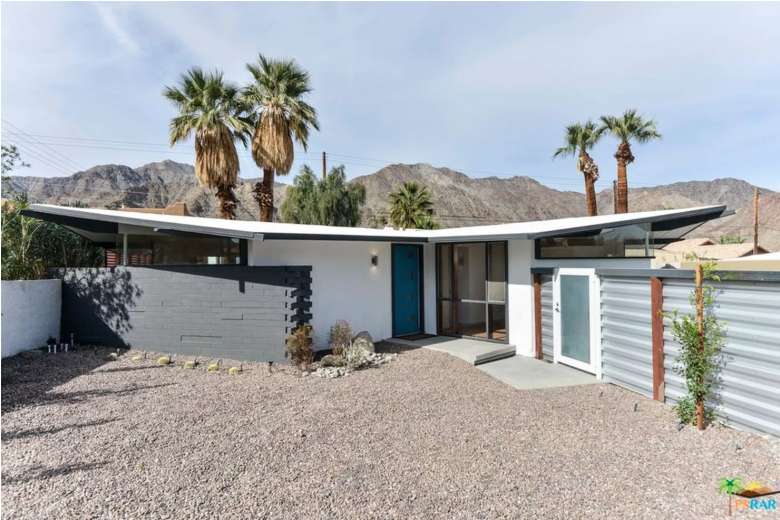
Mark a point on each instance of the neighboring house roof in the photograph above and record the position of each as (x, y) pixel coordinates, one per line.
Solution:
(179, 208)
(762, 256)
(685, 246)
(107, 221)
(724, 251)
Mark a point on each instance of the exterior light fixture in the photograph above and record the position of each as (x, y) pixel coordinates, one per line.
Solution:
(374, 260)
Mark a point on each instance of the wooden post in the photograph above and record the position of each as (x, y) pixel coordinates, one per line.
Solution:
(700, 321)
(323, 166)
(538, 314)
(657, 306)
(755, 222)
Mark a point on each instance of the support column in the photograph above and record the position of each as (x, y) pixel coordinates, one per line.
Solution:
(538, 314)
(124, 249)
(657, 305)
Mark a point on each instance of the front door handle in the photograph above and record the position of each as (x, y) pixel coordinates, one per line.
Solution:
(557, 309)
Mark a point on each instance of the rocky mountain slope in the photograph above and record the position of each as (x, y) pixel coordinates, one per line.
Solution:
(459, 199)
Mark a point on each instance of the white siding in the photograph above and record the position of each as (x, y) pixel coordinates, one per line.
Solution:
(520, 297)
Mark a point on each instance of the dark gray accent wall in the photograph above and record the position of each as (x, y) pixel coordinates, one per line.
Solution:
(235, 312)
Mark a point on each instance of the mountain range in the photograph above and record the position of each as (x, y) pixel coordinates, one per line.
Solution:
(459, 200)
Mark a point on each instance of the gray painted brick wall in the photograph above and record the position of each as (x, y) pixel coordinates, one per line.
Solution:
(236, 312)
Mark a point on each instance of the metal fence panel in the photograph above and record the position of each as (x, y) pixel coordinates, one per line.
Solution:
(747, 391)
(627, 333)
(547, 318)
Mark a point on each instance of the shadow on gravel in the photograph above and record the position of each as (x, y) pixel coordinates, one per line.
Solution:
(388, 347)
(37, 473)
(28, 376)
(35, 432)
(75, 397)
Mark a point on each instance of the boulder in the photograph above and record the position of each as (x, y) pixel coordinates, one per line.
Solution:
(332, 361)
(365, 339)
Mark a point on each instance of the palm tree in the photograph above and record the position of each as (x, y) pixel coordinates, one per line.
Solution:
(411, 206)
(212, 109)
(627, 128)
(729, 486)
(278, 95)
(581, 138)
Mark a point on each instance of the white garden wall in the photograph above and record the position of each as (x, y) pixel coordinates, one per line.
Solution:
(31, 313)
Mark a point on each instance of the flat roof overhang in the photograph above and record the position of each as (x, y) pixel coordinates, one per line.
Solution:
(102, 226)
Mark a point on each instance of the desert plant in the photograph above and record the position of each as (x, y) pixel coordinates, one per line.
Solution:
(164, 360)
(214, 367)
(410, 206)
(113, 356)
(627, 128)
(299, 347)
(340, 335)
(137, 358)
(699, 350)
(277, 95)
(355, 354)
(236, 370)
(730, 239)
(578, 140)
(191, 363)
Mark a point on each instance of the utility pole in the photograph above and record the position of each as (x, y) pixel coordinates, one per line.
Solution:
(323, 166)
(614, 197)
(755, 222)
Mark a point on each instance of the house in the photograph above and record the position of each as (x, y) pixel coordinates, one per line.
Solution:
(704, 249)
(235, 288)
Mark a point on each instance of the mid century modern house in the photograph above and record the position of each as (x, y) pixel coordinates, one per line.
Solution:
(234, 288)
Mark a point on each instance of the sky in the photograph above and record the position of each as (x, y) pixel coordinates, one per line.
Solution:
(486, 89)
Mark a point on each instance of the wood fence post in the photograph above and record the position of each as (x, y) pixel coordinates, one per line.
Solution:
(700, 322)
(657, 306)
(538, 314)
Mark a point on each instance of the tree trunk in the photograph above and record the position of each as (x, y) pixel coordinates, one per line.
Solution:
(264, 195)
(624, 158)
(591, 172)
(226, 202)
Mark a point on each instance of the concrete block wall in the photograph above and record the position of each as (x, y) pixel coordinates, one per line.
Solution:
(235, 312)
(31, 313)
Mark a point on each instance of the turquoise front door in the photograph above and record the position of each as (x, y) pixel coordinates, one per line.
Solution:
(406, 290)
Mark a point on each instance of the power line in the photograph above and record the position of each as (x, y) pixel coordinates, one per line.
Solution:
(46, 161)
(52, 159)
(52, 149)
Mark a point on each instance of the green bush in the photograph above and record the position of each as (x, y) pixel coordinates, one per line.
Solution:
(299, 347)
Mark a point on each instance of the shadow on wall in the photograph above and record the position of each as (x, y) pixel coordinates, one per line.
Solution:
(106, 294)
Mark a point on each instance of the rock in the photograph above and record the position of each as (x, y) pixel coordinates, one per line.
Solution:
(332, 361)
(304, 374)
(367, 340)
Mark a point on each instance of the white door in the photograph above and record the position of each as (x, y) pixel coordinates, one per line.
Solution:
(576, 318)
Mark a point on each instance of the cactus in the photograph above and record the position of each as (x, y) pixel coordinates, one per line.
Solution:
(113, 357)
(234, 370)
(214, 367)
(190, 363)
(137, 358)
(164, 361)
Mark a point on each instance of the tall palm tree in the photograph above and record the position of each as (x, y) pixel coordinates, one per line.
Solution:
(729, 486)
(212, 109)
(411, 206)
(278, 95)
(629, 127)
(578, 140)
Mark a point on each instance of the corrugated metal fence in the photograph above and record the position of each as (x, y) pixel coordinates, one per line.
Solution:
(626, 333)
(547, 317)
(747, 388)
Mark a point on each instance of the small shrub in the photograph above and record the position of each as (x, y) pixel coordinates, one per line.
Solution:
(234, 370)
(355, 354)
(340, 336)
(190, 363)
(214, 367)
(299, 347)
(113, 356)
(164, 361)
(137, 358)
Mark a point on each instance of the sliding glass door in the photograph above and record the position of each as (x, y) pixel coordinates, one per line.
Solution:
(471, 294)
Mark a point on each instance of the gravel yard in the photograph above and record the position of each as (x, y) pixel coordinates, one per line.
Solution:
(424, 436)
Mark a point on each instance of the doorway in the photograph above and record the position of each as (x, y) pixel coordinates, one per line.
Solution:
(407, 289)
(575, 318)
(471, 290)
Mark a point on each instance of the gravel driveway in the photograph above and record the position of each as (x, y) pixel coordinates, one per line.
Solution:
(425, 436)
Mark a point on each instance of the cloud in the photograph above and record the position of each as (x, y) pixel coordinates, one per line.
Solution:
(112, 25)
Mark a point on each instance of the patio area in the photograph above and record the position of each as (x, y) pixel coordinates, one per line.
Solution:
(469, 350)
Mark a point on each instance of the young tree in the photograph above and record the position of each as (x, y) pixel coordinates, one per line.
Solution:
(730, 239)
(210, 107)
(411, 206)
(329, 202)
(278, 95)
(578, 140)
(629, 127)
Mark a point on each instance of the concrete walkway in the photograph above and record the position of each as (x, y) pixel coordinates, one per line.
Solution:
(526, 373)
(469, 350)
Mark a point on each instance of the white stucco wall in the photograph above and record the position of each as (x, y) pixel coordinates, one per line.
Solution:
(429, 287)
(520, 296)
(344, 283)
(31, 313)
